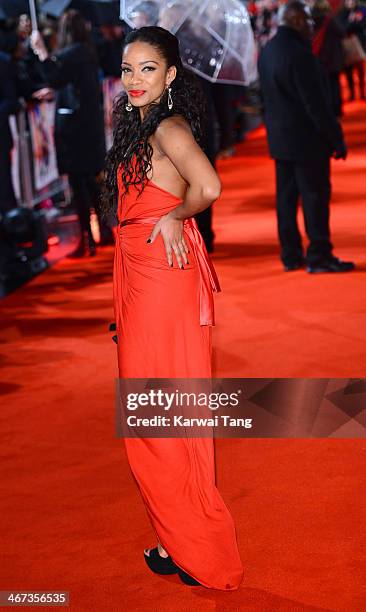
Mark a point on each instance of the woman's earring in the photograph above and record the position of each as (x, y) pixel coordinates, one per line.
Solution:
(129, 106)
(170, 99)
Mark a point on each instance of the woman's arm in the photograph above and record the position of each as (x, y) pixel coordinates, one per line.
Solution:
(56, 69)
(175, 139)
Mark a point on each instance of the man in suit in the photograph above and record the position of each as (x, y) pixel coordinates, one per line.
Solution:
(8, 106)
(303, 134)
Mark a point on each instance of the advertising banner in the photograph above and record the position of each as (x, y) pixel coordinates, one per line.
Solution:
(41, 123)
(111, 89)
(15, 169)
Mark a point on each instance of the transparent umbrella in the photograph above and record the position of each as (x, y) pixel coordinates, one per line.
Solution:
(215, 36)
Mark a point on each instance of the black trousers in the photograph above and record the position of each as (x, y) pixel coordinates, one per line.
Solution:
(350, 70)
(7, 196)
(222, 97)
(310, 181)
(86, 195)
(335, 93)
(204, 218)
(204, 222)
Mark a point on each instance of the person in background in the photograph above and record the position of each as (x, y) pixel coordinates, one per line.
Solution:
(79, 127)
(145, 13)
(209, 144)
(168, 17)
(266, 22)
(303, 134)
(109, 45)
(253, 14)
(224, 96)
(353, 19)
(31, 83)
(327, 46)
(8, 106)
(24, 28)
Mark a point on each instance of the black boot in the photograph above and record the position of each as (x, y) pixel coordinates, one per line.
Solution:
(92, 247)
(86, 246)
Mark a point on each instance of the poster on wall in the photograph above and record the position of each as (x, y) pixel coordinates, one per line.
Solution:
(112, 87)
(41, 122)
(15, 169)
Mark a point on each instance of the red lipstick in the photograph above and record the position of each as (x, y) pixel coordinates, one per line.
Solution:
(136, 92)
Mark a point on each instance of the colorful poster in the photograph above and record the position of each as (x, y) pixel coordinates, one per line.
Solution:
(15, 169)
(112, 87)
(41, 122)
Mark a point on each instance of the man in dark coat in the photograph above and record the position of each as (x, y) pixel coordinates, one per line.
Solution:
(303, 134)
(8, 106)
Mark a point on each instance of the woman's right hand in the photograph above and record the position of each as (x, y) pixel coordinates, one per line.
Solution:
(171, 231)
(46, 93)
(38, 46)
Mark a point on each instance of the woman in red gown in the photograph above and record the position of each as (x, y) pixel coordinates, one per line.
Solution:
(163, 284)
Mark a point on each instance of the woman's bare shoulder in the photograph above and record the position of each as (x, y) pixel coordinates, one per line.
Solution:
(175, 125)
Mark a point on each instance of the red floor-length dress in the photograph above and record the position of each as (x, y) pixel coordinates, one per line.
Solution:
(164, 316)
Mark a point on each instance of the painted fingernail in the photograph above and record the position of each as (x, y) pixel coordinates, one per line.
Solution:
(148, 240)
(171, 265)
(182, 267)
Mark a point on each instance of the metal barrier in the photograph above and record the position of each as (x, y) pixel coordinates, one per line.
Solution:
(23, 161)
(34, 123)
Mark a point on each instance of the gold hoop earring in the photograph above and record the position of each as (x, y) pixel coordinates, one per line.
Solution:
(129, 106)
(170, 99)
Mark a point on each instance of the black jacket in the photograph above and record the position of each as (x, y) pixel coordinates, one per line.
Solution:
(357, 27)
(331, 53)
(300, 122)
(79, 136)
(29, 74)
(8, 100)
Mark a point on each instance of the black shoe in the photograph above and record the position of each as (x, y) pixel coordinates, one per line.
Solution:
(85, 248)
(297, 265)
(187, 579)
(79, 251)
(333, 264)
(160, 565)
(92, 248)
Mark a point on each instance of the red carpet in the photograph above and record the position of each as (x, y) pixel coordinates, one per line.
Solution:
(72, 518)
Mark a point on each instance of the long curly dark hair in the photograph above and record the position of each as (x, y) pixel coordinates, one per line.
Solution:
(131, 148)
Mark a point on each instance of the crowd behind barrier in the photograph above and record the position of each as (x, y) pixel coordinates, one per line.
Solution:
(75, 67)
(33, 158)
